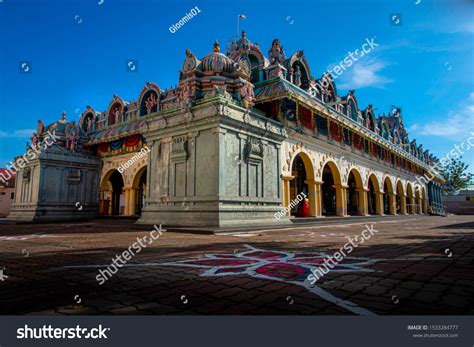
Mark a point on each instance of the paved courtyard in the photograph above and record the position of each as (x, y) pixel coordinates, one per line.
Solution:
(415, 265)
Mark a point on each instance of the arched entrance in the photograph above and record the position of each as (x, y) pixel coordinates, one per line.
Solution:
(410, 199)
(401, 200)
(333, 194)
(355, 190)
(111, 200)
(374, 200)
(138, 192)
(302, 182)
(388, 197)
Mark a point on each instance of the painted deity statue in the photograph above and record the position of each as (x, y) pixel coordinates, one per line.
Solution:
(116, 113)
(34, 140)
(297, 76)
(71, 135)
(151, 103)
(190, 62)
(248, 96)
(40, 127)
(276, 53)
(186, 96)
(89, 124)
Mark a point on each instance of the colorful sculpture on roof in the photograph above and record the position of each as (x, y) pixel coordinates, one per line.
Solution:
(248, 79)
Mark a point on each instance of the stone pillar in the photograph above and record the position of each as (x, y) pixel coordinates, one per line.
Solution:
(379, 203)
(420, 205)
(131, 206)
(319, 199)
(392, 203)
(341, 200)
(403, 204)
(285, 180)
(127, 196)
(313, 197)
(363, 205)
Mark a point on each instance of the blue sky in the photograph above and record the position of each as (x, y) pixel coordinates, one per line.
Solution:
(78, 51)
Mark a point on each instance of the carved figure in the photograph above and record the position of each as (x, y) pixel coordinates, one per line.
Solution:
(276, 53)
(248, 96)
(151, 102)
(297, 76)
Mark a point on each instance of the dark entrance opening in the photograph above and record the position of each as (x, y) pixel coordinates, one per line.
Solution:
(328, 192)
(117, 186)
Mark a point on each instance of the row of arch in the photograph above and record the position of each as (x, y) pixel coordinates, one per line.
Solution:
(330, 196)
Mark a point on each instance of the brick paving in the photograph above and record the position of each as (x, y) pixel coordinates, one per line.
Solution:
(422, 266)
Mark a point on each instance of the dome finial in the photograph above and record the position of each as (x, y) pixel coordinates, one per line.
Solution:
(244, 34)
(216, 46)
(63, 116)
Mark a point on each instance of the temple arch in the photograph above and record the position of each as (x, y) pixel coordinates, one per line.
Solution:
(302, 181)
(136, 194)
(149, 99)
(370, 119)
(389, 196)
(401, 199)
(111, 201)
(410, 198)
(374, 200)
(356, 204)
(333, 193)
(352, 110)
(115, 111)
(88, 119)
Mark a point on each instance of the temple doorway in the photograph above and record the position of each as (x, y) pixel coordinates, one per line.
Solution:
(354, 190)
(111, 194)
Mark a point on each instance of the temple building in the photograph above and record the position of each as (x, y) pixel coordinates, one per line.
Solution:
(236, 141)
(7, 193)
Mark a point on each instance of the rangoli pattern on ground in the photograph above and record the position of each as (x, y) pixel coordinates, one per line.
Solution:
(287, 267)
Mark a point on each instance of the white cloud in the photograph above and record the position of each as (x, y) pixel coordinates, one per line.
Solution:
(364, 74)
(457, 124)
(19, 134)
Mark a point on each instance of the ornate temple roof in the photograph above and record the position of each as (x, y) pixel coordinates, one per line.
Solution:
(66, 134)
(217, 62)
(244, 76)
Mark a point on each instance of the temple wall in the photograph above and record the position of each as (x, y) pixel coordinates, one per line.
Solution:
(217, 170)
(57, 186)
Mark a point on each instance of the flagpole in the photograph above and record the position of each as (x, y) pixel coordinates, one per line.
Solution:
(239, 17)
(238, 22)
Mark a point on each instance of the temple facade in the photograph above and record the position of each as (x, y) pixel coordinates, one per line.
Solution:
(235, 142)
